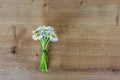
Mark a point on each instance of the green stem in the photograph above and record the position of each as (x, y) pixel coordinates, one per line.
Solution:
(43, 66)
(44, 60)
(46, 44)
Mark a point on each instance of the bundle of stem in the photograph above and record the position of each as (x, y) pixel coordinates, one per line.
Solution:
(44, 61)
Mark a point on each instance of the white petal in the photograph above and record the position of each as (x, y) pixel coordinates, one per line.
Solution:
(33, 32)
(40, 37)
(34, 37)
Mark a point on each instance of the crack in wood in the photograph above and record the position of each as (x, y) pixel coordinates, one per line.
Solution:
(81, 3)
(110, 69)
(114, 70)
(37, 54)
(44, 5)
(14, 31)
(117, 18)
(13, 50)
(14, 47)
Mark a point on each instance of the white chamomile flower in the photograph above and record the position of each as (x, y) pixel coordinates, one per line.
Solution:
(34, 37)
(53, 38)
(46, 31)
(40, 37)
(50, 28)
(37, 36)
(40, 28)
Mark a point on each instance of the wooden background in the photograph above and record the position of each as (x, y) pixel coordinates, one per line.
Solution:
(88, 46)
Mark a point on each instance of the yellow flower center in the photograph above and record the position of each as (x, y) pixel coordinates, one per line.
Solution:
(53, 36)
(45, 30)
(37, 35)
(49, 34)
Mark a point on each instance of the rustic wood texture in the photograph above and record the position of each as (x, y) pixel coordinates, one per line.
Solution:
(88, 46)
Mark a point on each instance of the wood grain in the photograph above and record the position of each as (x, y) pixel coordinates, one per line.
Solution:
(88, 46)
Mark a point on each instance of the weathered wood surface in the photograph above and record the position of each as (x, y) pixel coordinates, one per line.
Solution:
(88, 46)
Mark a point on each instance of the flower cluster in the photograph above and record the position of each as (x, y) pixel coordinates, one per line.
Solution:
(45, 32)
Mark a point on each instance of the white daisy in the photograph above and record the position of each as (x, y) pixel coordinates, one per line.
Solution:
(34, 37)
(40, 37)
(53, 38)
(50, 28)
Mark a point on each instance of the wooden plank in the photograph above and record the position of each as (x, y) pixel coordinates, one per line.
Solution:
(88, 46)
(87, 49)
(20, 12)
(87, 14)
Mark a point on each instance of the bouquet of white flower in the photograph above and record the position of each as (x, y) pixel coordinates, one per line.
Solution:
(44, 34)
